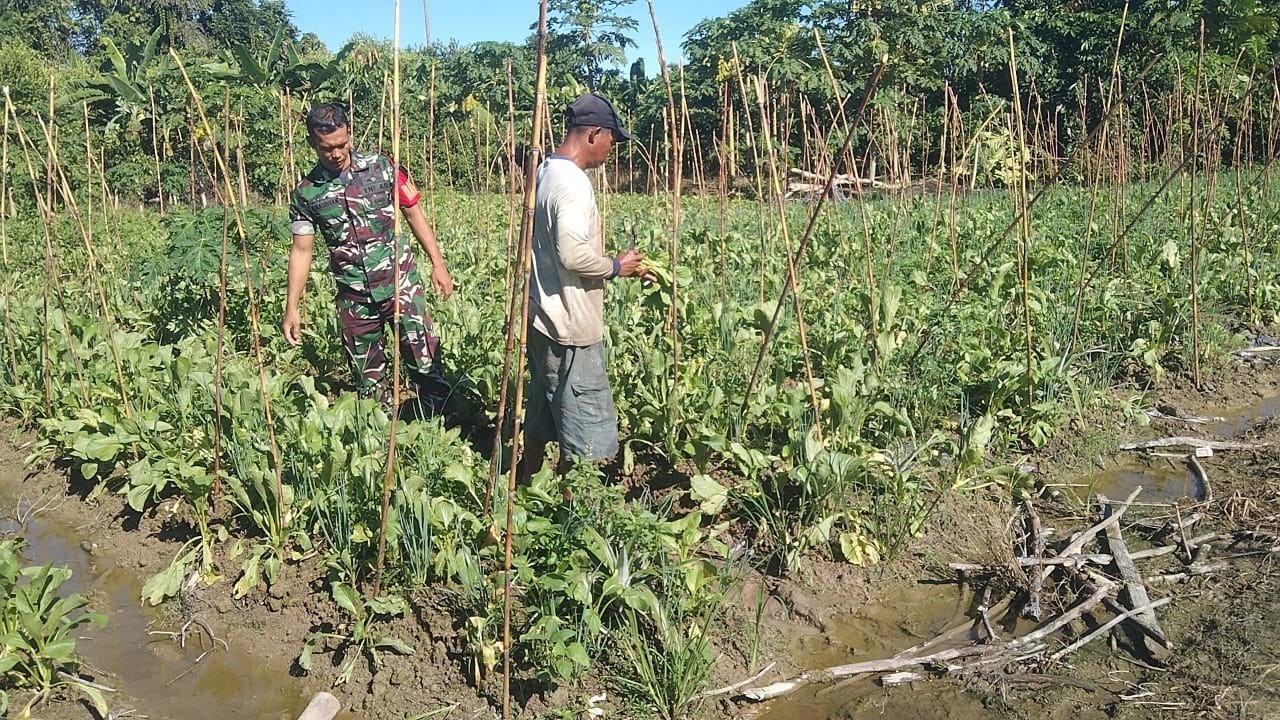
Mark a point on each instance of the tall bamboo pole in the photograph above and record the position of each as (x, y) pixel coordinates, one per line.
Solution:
(57, 178)
(10, 338)
(521, 297)
(677, 170)
(512, 187)
(779, 198)
(395, 294)
(45, 360)
(1195, 214)
(1024, 228)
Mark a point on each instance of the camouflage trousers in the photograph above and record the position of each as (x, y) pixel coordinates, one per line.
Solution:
(364, 324)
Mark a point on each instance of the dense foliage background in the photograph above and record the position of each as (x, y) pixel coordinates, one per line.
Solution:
(809, 60)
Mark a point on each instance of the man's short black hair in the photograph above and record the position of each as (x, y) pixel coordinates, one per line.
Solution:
(327, 118)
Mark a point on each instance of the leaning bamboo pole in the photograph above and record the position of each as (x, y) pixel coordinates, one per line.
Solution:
(779, 197)
(803, 245)
(229, 198)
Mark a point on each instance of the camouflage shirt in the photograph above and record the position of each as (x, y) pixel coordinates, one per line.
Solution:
(355, 214)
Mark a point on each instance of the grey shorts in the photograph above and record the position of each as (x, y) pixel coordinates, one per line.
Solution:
(570, 400)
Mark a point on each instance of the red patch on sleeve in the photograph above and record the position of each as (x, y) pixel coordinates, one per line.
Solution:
(409, 195)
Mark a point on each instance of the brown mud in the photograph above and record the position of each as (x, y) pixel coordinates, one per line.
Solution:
(1225, 625)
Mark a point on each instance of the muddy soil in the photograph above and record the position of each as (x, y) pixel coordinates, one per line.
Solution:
(1225, 626)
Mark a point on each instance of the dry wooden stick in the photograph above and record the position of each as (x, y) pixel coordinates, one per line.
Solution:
(1183, 440)
(730, 688)
(1077, 560)
(1163, 550)
(1133, 586)
(1191, 571)
(952, 632)
(1149, 607)
(1032, 610)
(1083, 537)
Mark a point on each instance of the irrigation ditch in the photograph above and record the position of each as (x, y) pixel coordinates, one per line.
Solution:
(1189, 624)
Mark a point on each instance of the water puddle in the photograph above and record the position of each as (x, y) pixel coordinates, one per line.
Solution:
(154, 677)
(1235, 422)
(1163, 478)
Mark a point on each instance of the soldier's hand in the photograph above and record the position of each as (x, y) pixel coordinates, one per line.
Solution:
(442, 282)
(292, 327)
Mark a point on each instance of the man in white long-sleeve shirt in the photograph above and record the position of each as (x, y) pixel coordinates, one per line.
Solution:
(570, 400)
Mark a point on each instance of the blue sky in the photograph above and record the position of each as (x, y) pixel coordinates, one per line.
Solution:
(474, 20)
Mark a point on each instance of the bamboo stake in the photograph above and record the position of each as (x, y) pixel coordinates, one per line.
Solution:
(1195, 215)
(927, 336)
(217, 360)
(56, 177)
(755, 157)
(677, 171)
(511, 173)
(395, 312)
(46, 362)
(1024, 227)
(155, 147)
(10, 338)
(520, 296)
(431, 143)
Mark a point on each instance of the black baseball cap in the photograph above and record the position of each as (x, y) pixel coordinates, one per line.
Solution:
(592, 110)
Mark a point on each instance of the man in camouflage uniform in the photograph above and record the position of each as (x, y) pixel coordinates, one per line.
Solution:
(350, 198)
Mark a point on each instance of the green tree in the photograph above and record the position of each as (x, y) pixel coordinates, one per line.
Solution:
(46, 26)
(247, 23)
(587, 38)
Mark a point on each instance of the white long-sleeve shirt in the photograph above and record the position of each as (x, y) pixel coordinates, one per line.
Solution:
(569, 264)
